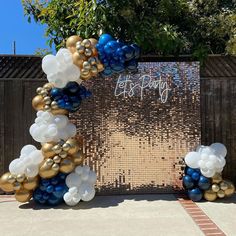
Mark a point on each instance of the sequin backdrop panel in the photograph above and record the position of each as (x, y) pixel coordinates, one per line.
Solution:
(134, 141)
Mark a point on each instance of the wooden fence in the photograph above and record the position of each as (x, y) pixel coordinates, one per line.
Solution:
(218, 113)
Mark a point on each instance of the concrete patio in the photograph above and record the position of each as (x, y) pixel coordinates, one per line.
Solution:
(139, 215)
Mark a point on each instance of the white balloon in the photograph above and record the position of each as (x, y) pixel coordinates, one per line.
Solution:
(219, 149)
(36, 156)
(209, 173)
(67, 197)
(16, 167)
(192, 159)
(207, 150)
(86, 192)
(31, 171)
(73, 190)
(199, 148)
(49, 64)
(73, 180)
(79, 170)
(27, 149)
(92, 178)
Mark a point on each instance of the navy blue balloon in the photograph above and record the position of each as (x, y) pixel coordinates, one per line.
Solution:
(195, 194)
(136, 50)
(188, 182)
(51, 191)
(195, 175)
(111, 47)
(204, 183)
(104, 39)
(128, 52)
(189, 170)
(70, 97)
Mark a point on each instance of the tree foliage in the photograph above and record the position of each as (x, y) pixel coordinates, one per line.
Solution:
(163, 27)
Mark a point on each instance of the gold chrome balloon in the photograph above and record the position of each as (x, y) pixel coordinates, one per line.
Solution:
(86, 42)
(59, 111)
(56, 159)
(47, 149)
(78, 59)
(100, 67)
(48, 86)
(20, 178)
(57, 148)
(38, 103)
(215, 187)
(217, 178)
(209, 195)
(230, 190)
(31, 183)
(46, 171)
(66, 147)
(17, 186)
(78, 158)
(221, 193)
(72, 40)
(23, 195)
(223, 185)
(67, 165)
(11, 179)
(93, 41)
(4, 184)
(75, 146)
(63, 154)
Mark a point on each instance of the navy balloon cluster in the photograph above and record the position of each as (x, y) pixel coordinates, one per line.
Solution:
(70, 97)
(51, 191)
(195, 183)
(117, 56)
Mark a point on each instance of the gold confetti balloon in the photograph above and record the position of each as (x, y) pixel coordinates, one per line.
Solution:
(210, 195)
(4, 184)
(23, 195)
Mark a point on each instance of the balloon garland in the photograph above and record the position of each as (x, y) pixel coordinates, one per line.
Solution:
(203, 173)
(55, 173)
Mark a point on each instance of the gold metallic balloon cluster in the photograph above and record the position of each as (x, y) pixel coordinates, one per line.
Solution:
(21, 184)
(85, 56)
(219, 189)
(43, 101)
(61, 157)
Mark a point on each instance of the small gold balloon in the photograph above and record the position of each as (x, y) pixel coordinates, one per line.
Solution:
(66, 147)
(55, 167)
(4, 184)
(11, 179)
(86, 43)
(78, 158)
(57, 148)
(47, 108)
(75, 146)
(39, 90)
(59, 111)
(63, 154)
(38, 103)
(67, 165)
(72, 40)
(93, 41)
(86, 65)
(46, 171)
(92, 61)
(44, 92)
(209, 195)
(215, 187)
(54, 105)
(94, 52)
(78, 59)
(47, 149)
(223, 185)
(100, 67)
(48, 86)
(221, 193)
(80, 49)
(88, 52)
(20, 178)
(23, 195)
(57, 159)
(47, 100)
(230, 190)
(31, 183)
(94, 70)
(49, 162)
(17, 186)
(217, 178)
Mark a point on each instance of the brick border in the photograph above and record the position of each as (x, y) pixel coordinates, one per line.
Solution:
(206, 225)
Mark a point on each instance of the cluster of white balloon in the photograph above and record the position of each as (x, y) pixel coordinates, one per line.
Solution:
(49, 127)
(81, 185)
(209, 159)
(28, 162)
(60, 68)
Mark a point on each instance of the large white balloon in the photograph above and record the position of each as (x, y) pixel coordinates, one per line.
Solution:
(60, 68)
(192, 159)
(49, 127)
(81, 185)
(28, 162)
(219, 149)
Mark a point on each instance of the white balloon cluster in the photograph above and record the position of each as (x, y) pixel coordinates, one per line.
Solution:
(209, 159)
(28, 162)
(49, 127)
(81, 185)
(60, 68)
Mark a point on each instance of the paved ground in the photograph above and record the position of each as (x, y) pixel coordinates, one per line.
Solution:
(113, 216)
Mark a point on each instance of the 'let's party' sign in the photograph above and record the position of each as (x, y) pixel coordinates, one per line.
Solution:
(138, 126)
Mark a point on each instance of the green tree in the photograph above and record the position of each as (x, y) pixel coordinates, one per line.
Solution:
(163, 27)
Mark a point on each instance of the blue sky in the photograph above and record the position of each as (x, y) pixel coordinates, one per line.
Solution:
(14, 26)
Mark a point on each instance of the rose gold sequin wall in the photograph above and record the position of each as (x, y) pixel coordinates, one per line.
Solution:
(138, 127)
